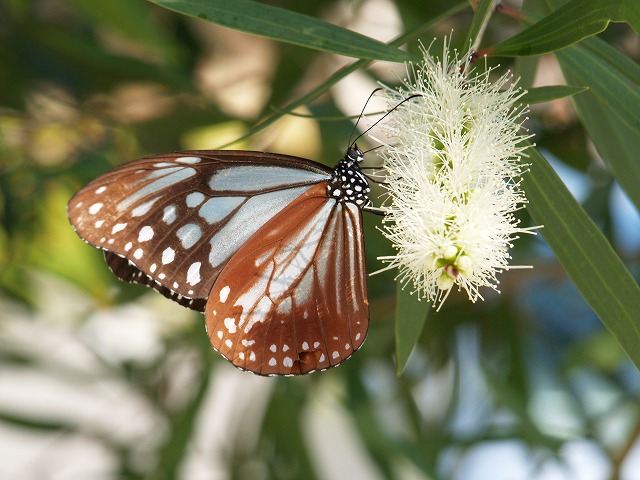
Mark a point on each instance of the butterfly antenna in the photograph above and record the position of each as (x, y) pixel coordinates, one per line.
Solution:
(384, 116)
(361, 114)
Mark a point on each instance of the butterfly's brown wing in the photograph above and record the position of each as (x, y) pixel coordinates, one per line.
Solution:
(173, 221)
(293, 298)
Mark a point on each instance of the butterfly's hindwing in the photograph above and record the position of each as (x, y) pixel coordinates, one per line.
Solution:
(289, 301)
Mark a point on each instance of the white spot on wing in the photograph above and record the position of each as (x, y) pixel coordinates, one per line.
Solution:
(146, 233)
(285, 347)
(272, 362)
(316, 344)
(128, 246)
(305, 346)
(247, 343)
(287, 362)
(335, 354)
(220, 334)
(252, 356)
(168, 255)
(101, 189)
(153, 268)
(190, 160)
(273, 348)
(95, 208)
(99, 223)
(228, 343)
(189, 234)
(193, 274)
(138, 253)
(169, 214)
(143, 208)
(224, 294)
(230, 324)
(194, 199)
(118, 227)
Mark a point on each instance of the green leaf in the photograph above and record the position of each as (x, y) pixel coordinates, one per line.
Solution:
(569, 24)
(485, 7)
(346, 71)
(620, 94)
(585, 254)
(544, 94)
(286, 26)
(610, 111)
(411, 315)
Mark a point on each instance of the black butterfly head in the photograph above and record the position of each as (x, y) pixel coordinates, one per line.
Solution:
(354, 154)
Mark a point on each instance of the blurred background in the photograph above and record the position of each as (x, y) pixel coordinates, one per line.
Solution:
(103, 380)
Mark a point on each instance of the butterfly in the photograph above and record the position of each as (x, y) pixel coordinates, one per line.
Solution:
(270, 247)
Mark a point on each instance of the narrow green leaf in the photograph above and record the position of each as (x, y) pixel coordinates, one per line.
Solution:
(346, 71)
(484, 9)
(610, 110)
(585, 254)
(622, 96)
(411, 315)
(544, 94)
(286, 26)
(569, 24)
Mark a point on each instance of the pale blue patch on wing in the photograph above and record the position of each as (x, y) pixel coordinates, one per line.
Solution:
(247, 220)
(189, 234)
(257, 177)
(172, 176)
(217, 208)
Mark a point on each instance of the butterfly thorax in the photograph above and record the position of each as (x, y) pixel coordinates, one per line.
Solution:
(348, 183)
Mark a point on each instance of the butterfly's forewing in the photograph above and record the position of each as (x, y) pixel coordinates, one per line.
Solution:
(293, 298)
(173, 221)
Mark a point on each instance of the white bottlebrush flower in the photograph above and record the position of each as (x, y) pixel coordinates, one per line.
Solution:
(453, 173)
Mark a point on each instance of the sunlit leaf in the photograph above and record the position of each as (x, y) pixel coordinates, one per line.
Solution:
(286, 26)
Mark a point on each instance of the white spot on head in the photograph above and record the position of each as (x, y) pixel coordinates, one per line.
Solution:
(335, 354)
(273, 348)
(138, 253)
(230, 323)
(193, 274)
(168, 255)
(118, 227)
(101, 189)
(190, 160)
(272, 362)
(287, 362)
(99, 223)
(146, 233)
(316, 344)
(128, 246)
(305, 346)
(252, 357)
(220, 334)
(228, 343)
(224, 294)
(169, 214)
(95, 208)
